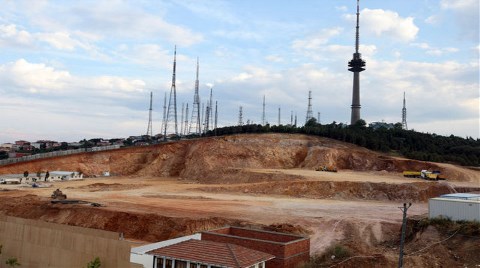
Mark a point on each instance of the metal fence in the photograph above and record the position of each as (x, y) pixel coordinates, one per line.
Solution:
(57, 153)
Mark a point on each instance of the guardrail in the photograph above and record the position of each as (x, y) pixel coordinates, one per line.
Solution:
(57, 153)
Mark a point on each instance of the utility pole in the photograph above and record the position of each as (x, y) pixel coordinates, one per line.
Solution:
(404, 227)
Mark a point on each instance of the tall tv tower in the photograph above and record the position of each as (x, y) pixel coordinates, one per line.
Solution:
(149, 128)
(356, 66)
(172, 103)
(164, 111)
(309, 110)
(195, 120)
(404, 113)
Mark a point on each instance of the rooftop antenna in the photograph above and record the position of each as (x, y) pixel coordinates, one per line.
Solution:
(356, 66)
(404, 113)
(240, 116)
(195, 120)
(149, 128)
(263, 114)
(309, 110)
(172, 103)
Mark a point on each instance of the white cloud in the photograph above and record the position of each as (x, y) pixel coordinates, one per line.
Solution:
(317, 40)
(434, 51)
(385, 22)
(60, 40)
(274, 58)
(466, 16)
(11, 36)
(341, 8)
(244, 35)
(432, 19)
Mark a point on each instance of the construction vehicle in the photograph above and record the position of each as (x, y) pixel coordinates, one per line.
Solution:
(325, 168)
(424, 174)
(58, 195)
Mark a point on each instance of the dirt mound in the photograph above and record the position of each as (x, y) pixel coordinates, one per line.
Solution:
(407, 192)
(218, 159)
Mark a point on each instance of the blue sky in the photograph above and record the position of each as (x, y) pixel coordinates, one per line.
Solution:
(82, 69)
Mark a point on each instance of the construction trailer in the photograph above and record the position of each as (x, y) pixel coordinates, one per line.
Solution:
(457, 207)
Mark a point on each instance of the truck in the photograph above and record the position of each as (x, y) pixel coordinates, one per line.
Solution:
(424, 174)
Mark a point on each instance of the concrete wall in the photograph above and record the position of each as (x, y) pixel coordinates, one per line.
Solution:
(41, 244)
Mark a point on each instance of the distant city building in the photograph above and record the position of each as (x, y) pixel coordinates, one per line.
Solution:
(379, 125)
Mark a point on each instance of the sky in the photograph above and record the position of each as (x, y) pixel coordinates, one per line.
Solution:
(71, 70)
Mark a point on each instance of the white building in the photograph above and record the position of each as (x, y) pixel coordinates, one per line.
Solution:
(458, 206)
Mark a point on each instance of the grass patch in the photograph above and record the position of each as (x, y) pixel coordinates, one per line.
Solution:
(446, 225)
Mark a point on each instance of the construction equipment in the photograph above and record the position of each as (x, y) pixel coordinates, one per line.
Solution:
(325, 168)
(424, 174)
(58, 195)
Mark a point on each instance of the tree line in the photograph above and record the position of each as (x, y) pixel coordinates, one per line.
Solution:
(397, 141)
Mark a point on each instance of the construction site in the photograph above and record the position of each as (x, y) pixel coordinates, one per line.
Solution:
(274, 182)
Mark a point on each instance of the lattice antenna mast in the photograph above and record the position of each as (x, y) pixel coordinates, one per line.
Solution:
(211, 106)
(202, 118)
(216, 117)
(318, 117)
(185, 125)
(164, 111)
(240, 116)
(295, 119)
(149, 128)
(195, 120)
(263, 114)
(291, 118)
(309, 109)
(404, 113)
(172, 103)
(356, 66)
(181, 118)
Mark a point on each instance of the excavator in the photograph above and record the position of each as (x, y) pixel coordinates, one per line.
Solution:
(58, 195)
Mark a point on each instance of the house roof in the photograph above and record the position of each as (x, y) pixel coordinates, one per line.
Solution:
(213, 253)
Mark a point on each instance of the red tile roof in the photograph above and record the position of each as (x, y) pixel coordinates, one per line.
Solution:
(213, 253)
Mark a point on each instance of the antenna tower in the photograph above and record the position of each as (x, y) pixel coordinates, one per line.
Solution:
(164, 111)
(291, 118)
(216, 116)
(185, 125)
(318, 117)
(172, 103)
(149, 128)
(295, 119)
(181, 118)
(356, 66)
(195, 120)
(404, 113)
(309, 110)
(240, 116)
(279, 116)
(263, 114)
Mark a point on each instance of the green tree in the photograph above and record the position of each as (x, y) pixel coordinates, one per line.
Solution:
(95, 263)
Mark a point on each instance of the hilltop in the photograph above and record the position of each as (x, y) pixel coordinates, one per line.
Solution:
(262, 180)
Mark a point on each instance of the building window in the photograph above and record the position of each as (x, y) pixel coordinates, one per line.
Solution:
(160, 262)
(180, 264)
(203, 266)
(168, 263)
(193, 265)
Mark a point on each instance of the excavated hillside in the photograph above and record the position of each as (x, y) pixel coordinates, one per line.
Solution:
(223, 159)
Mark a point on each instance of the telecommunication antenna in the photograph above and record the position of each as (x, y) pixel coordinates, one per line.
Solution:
(195, 119)
(309, 109)
(279, 111)
(240, 116)
(263, 114)
(404, 113)
(172, 103)
(149, 128)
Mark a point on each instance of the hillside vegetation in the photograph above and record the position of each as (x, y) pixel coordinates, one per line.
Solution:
(407, 143)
